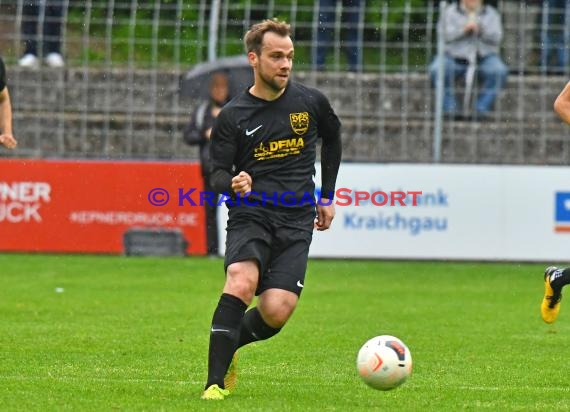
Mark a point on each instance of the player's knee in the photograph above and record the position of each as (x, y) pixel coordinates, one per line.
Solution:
(278, 312)
(241, 281)
(241, 289)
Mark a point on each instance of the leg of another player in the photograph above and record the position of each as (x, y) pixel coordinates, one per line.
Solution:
(554, 280)
(560, 277)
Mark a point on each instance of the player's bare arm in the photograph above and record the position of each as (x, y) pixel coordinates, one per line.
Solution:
(6, 137)
(562, 104)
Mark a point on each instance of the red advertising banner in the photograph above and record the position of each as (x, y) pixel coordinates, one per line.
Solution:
(87, 206)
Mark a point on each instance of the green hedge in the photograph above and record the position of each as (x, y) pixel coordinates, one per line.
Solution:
(193, 40)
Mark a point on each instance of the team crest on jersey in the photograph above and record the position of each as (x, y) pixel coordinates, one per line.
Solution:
(299, 122)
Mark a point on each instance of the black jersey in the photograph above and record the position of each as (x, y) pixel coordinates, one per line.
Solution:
(2, 75)
(275, 142)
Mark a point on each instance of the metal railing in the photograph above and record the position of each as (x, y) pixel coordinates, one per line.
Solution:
(118, 95)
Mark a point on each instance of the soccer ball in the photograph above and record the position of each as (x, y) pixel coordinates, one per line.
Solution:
(384, 362)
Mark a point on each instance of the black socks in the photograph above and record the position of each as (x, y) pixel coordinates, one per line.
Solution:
(232, 330)
(561, 279)
(254, 328)
(224, 336)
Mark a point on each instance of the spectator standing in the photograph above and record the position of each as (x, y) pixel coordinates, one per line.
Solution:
(351, 16)
(472, 35)
(42, 21)
(198, 132)
(554, 36)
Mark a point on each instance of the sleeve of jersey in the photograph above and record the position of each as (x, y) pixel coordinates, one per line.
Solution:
(331, 149)
(2, 75)
(222, 151)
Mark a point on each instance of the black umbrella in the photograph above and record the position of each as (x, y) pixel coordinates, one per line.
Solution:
(195, 83)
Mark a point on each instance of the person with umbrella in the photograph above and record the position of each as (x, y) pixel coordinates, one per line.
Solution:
(198, 132)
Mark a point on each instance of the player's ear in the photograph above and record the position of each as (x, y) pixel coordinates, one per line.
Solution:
(252, 57)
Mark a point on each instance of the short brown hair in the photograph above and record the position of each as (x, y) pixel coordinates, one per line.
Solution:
(253, 39)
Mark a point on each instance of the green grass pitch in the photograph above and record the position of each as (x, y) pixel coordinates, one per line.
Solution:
(101, 333)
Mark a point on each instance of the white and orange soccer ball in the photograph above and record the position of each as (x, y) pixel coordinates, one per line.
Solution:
(384, 362)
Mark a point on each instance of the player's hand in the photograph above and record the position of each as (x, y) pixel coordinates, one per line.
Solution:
(325, 215)
(241, 184)
(8, 141)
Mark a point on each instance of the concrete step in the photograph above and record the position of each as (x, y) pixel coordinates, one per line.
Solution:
(365, 95)
(496, 142)
(78, 112)
(411, 95)
(98, 90)
(72, 134)
(389, 139)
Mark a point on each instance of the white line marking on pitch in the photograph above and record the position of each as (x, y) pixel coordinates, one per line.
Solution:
(68, 378)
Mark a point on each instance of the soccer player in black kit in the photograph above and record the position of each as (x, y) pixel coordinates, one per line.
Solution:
(263, 149)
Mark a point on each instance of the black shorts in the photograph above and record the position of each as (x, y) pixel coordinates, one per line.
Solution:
(277, 238)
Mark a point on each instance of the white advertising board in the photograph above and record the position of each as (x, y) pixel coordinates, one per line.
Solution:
(464, 212)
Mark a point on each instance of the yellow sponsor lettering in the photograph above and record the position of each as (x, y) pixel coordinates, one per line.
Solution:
(286, 144)
(279, 148)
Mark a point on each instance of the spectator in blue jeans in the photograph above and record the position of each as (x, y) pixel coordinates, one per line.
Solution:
(472, 34)
(554, 36)
(352, 14)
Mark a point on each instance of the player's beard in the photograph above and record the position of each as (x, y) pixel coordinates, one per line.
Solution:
(272, 82)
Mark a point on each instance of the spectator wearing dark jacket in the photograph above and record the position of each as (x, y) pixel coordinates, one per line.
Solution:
(197, 132)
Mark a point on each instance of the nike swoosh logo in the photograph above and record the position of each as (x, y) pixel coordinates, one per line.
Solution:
(219, 330)
(300, 284)
(250, 132)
